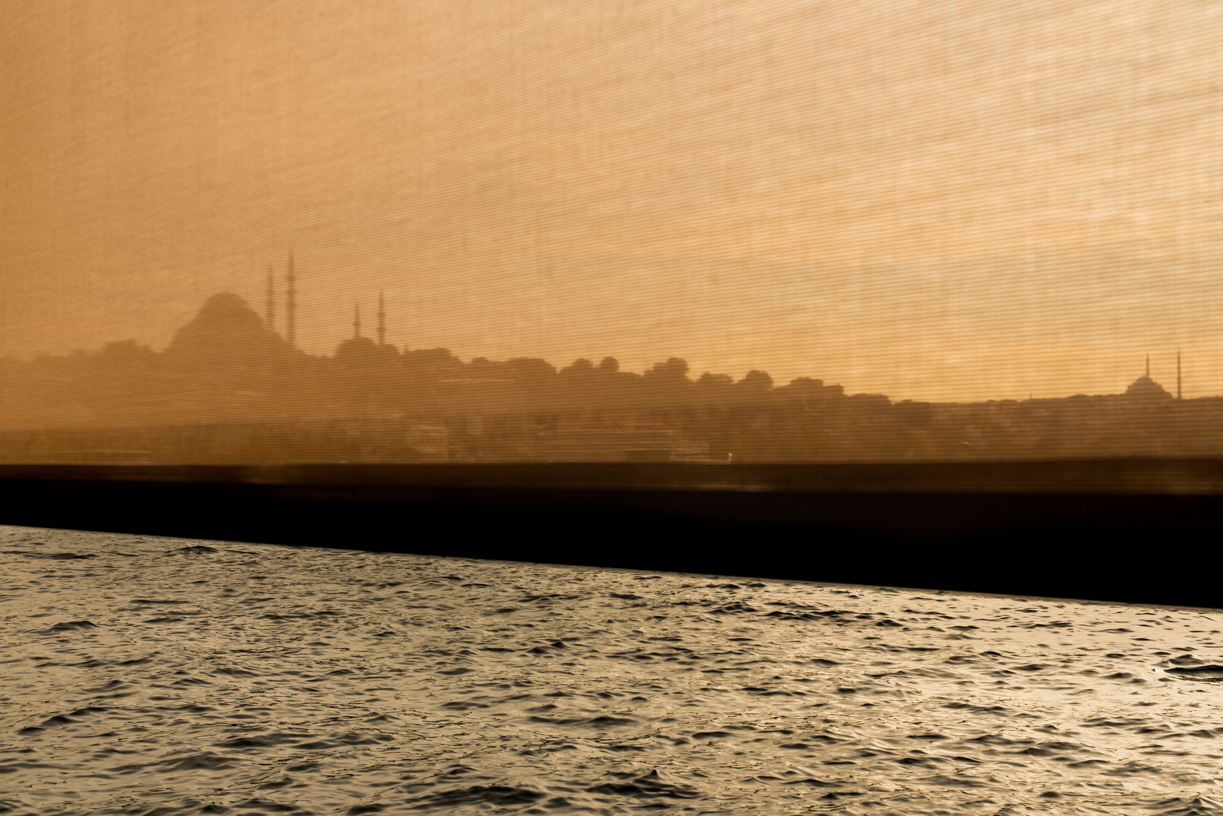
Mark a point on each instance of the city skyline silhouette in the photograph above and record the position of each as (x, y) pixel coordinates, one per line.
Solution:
(229, 368)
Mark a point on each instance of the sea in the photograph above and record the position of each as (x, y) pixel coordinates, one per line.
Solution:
(143, 675)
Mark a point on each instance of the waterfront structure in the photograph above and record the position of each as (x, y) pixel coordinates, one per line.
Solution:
(430, 441)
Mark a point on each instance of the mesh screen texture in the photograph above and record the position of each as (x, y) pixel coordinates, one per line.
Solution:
(699, 231)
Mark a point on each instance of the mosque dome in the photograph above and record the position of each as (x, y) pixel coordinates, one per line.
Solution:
(1146, 388)
(226, 333)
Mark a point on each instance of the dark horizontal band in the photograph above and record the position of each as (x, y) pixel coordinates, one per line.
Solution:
(1137, 530)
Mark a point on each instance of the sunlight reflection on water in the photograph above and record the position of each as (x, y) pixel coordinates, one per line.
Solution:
(148, 675)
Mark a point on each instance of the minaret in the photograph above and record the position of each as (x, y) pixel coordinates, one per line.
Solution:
(356, 324)
(1148, 375)
(271, 317)
(1178, 375)
(291, 304)
(381, 321)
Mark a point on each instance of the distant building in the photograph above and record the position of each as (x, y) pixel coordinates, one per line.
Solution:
(430, 441)
(479, 396)
(1147, 390)
(618, 445)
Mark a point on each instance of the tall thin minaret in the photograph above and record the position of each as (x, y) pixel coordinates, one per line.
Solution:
(1178, 375)
(356, 324)
(291, 304)
(1148, 366)
(381, 321)
(271, 316)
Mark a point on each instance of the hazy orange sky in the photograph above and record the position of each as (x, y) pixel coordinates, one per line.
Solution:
(932, 199)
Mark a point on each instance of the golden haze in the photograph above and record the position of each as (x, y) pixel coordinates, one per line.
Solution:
(943, 200)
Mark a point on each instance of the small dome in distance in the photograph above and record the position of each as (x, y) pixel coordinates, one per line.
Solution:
(1146, 388)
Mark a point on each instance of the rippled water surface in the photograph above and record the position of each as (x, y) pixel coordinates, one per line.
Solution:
(162, 676)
